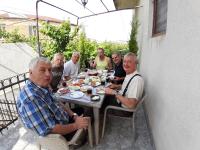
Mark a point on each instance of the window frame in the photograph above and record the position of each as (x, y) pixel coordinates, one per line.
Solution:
(155, 18)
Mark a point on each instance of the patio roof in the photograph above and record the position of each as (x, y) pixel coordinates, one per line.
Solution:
(75, 8)
(78, 11)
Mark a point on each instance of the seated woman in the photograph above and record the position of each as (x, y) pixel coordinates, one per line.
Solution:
(101, 61)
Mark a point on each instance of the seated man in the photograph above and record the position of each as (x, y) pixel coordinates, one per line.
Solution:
(119, 74)
(101, 61)
(132, 87)
(37, 108)
(71, 68)
(57, 70)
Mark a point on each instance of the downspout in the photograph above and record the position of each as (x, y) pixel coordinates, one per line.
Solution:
(37, 28)
(136, 16)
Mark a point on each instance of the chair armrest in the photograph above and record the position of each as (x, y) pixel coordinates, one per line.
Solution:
(75, 137)
(120, 108)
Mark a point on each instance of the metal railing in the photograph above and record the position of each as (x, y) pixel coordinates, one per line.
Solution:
(9, 89)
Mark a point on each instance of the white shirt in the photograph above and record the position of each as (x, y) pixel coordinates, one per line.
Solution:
(71, 69)
(135, 88)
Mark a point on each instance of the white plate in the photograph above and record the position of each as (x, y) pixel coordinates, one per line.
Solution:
(71, 87)
(101, 92)
(85, 87)
(76, 94)
(95, 98)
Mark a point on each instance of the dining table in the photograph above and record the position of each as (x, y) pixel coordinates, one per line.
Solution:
(85, 100)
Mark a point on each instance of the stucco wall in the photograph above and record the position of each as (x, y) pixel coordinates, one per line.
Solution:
(170, 65)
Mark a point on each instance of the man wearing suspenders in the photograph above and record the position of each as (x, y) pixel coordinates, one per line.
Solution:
(132, 87)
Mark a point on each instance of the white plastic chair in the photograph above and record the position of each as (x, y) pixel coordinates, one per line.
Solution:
(29, 140)
(110, 107)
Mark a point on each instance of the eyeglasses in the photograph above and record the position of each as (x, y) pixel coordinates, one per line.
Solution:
(114, 57)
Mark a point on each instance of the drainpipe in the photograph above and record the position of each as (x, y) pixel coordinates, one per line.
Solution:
(136, 16)
(37, 28)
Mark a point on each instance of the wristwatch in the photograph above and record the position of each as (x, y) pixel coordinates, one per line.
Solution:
(115, 93)
(74, 114)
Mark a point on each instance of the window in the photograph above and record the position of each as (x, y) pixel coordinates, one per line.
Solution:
(160, 17)
(32, 30)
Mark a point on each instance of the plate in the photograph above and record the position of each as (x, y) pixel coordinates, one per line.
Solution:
(101, 92)
(63, 91)
(76, 94)
(85, 87)
(95, 98)
(74, 87)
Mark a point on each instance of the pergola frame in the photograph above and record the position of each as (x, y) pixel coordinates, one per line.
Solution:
(93, 14)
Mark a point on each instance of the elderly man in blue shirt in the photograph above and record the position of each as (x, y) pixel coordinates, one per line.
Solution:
(37, 108)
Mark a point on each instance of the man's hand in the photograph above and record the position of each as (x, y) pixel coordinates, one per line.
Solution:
(81, 122)
(113, 86)
(109, 91)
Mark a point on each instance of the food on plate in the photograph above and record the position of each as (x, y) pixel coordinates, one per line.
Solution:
(93, 81)
(63, 90)
(85, 88)
(95, 97)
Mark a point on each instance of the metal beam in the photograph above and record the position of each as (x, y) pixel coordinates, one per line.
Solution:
(85, 7)
(104, 5)
(102, 13)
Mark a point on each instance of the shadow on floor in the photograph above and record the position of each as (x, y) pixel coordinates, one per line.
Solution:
(118, 135)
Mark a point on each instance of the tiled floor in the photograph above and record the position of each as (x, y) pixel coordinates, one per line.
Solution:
(118, 135)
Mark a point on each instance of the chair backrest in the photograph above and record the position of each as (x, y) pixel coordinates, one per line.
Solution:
(140, 101)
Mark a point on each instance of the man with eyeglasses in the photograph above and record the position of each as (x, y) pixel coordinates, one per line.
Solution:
(119, 74)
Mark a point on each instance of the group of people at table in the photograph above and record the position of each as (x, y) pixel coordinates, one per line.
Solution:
(40, 112)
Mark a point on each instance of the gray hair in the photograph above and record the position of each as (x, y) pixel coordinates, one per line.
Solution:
(36, 60)
(130, 54)
(76, 53)
(58, 54)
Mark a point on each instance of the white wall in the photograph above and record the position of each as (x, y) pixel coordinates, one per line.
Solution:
(170, 65)
(14, 59)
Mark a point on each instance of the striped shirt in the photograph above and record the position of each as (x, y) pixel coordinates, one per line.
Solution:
(38, 110)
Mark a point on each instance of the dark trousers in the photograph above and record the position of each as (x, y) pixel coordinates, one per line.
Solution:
(111, 100)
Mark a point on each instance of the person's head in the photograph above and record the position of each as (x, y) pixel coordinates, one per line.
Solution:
(40, 71)
(116, 57)
(130, 63)
(100, 52)
(75, 57)
(58, 60)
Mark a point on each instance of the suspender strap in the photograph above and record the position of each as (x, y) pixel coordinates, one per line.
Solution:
(126, 88)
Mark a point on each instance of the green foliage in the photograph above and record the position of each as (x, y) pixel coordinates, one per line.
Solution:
(133, 47)
(32, 40)
(59, 37)
(63, 39)
(111, 47)
(12, 37)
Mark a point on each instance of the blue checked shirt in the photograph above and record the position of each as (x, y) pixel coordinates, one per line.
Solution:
(38, 110)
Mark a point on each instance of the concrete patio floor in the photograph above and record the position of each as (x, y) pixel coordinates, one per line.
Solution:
(118, 135)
